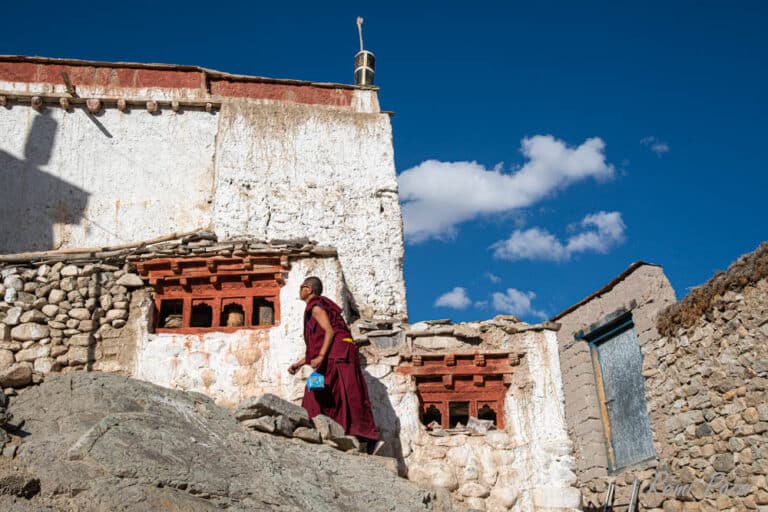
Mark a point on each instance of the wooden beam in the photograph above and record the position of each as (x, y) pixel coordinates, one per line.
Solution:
(436, 371)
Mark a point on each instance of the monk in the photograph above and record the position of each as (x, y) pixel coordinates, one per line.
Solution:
(331, 352)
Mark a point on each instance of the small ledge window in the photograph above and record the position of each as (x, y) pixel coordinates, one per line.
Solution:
(171, 313)
(195, 295)
(486, 412)
(263, 311)
(232, 315)
(431, 415)
(458, 414)
(202, 314)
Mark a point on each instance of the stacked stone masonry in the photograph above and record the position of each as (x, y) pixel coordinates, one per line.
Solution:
(705, 386)
(63, 317)
(98, 311)
(525, 466)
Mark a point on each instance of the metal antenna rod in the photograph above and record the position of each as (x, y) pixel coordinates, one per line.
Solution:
(360, 30)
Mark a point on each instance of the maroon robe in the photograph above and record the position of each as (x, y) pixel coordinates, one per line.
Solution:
(345, 397)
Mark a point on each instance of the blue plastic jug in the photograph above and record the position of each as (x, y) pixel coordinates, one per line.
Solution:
(315, 381)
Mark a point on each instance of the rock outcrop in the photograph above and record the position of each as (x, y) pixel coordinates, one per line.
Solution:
(100, 441)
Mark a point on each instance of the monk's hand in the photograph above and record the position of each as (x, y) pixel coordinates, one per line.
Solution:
(316, 362)
(293, 369)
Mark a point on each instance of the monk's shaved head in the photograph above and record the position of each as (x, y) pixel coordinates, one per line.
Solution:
(315, 284)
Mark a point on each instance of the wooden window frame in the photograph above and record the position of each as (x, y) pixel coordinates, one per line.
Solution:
(218, 282)
(477, 378)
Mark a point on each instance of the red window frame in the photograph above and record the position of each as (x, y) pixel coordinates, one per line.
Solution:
(480, 378)
(217, 282)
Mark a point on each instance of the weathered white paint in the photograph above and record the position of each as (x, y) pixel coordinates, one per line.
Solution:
(153, 176)
(256, 168)
(230, 367)
(290, 171)
(525, 468)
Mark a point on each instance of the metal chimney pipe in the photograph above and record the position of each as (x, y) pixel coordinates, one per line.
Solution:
(365, 66)
(365, 61)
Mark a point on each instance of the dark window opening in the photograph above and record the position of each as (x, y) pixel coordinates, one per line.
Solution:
(486, 413)
(232, 315)
(202, 316)
(171, 313)
(431, 414)
(263, 312)
(458, 412)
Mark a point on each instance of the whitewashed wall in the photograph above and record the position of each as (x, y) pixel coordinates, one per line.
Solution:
(527, 467)
(256, 168)
(230, 367)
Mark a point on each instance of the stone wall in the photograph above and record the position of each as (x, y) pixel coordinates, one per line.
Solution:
(707, 386)
(93, 312)
(705, 367)
(230, 367)
(644, 291)
(66, 317)
(525, 467)
(273, 160)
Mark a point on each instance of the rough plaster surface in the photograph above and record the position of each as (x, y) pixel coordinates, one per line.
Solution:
(526, 467)
(67, 184)
(651, 292)
(288, 171)
(230, 367)
(255, 168)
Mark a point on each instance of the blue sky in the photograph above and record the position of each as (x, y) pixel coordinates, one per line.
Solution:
(644, 126)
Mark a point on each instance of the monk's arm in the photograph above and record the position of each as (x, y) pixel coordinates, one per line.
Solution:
(321, 316)
(295, 366)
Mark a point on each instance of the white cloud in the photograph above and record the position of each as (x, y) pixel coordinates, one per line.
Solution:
(601, 232)
(455, 299)
(515, 302)
(493, 278)
(437, 196)
(655, 144)
(531, 244)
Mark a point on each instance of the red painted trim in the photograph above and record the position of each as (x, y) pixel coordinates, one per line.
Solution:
(293, 94)
(477, 378)
(210, 281)
(116, 77)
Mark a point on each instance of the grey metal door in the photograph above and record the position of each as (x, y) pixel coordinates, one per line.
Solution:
(621, 364)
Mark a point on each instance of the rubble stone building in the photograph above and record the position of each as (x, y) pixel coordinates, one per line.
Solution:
(158, 221)
(671, 394)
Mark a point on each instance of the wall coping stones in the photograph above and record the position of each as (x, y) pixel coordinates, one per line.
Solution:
(747, 270)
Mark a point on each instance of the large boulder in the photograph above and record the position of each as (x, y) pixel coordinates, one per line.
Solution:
(106, 442)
